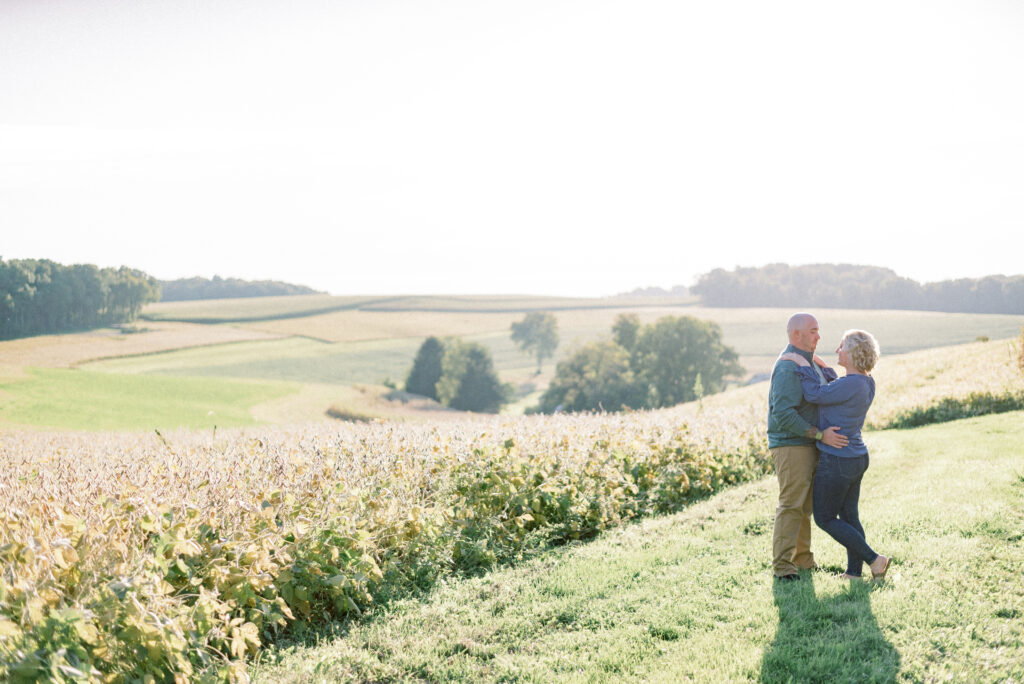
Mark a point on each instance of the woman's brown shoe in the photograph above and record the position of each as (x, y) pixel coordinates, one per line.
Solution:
(844, 576)
(880, 573)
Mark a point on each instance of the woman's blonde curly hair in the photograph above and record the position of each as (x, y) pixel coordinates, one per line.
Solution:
(863, 349)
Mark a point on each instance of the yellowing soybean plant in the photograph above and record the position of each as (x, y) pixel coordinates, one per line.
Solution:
(176, 556)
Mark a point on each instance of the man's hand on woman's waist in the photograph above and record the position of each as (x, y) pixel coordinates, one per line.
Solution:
(829, 437)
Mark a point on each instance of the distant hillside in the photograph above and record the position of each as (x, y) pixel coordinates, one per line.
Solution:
(676, 291)
(850, 286)
(189, 289)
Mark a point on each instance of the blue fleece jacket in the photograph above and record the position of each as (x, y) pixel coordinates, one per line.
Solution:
(843, 403)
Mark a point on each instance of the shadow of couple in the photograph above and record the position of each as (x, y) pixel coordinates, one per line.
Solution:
(828, 638)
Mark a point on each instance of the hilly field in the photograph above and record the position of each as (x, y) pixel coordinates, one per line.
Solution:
(326, 551)
(289, 359)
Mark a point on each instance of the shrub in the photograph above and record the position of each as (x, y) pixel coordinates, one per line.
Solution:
(341, 413)
(1020, 351)
(955, 408)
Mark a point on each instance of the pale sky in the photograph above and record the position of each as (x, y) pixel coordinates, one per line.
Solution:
(573, 147)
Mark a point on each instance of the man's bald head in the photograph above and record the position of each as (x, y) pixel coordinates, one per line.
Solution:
(802, 330)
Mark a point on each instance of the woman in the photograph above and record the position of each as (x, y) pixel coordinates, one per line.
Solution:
(844, 403)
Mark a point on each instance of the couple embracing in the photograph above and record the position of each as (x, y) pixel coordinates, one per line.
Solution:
(814, 425)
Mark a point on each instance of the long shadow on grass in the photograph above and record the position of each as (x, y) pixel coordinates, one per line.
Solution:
(831, 638)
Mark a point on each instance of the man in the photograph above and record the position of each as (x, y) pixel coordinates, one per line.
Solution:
(792, 432)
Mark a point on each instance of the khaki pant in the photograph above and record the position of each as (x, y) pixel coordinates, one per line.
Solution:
(791, 540)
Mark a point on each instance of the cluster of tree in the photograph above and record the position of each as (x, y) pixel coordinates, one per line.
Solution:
(458, 374)
(857, 287)
(188, 289)
(674, 360)
(38, 296)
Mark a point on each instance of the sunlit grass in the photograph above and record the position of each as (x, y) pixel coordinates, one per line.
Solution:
(81, 400)
(904, 381)
(689, 597)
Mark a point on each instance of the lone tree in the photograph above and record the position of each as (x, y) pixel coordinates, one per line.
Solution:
(426, 369)
(469, 381)
(537, 334)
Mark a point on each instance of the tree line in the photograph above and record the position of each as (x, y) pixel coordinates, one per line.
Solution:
(38, 296)
(857, 287)
(189, 289)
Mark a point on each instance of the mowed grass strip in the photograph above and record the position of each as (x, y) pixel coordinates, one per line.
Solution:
(689, 597)
(83, 400)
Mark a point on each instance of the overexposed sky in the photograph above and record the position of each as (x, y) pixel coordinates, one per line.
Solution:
(578, 147)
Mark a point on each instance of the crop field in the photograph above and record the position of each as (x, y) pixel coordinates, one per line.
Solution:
(358, 326)
(375, 347)
(73, 349)
(293, 359)
(756, 333)
(327, 358)
(132, 554)
(267, 308)
(180, 554)
(249, 308)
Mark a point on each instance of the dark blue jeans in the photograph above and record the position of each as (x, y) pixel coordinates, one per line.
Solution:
(836, 493)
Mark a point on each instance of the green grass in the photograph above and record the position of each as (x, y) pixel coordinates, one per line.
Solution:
(292, 359)
(83, 400)
(689, 597)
